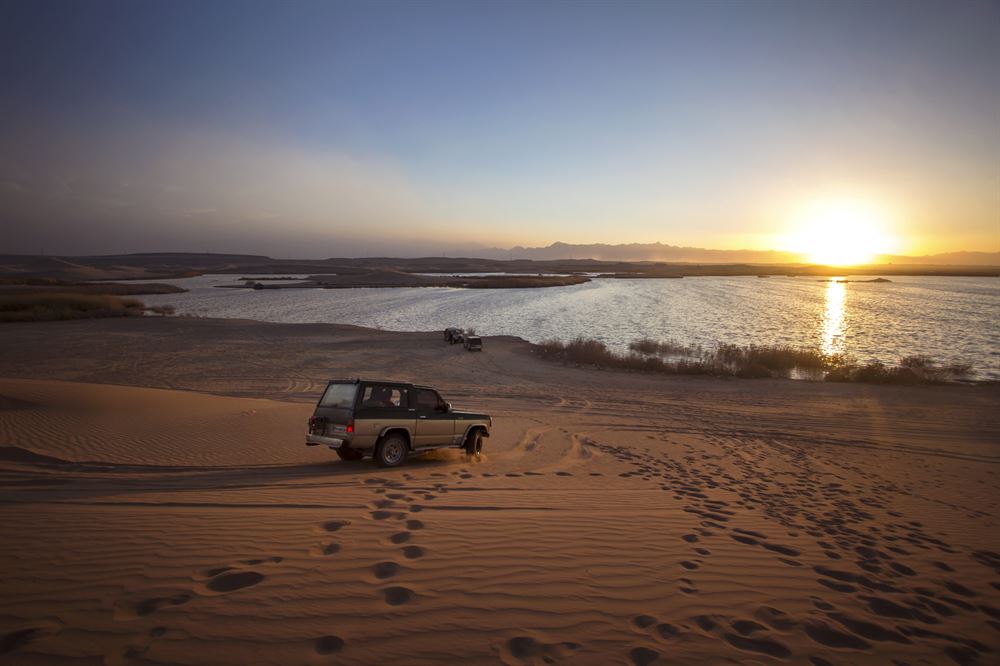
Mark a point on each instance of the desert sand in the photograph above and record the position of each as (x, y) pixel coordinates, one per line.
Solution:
(159, 507)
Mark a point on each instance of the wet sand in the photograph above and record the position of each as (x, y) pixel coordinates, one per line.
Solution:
(159, 506)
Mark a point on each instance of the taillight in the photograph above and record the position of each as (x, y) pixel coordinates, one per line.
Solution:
(350, 426)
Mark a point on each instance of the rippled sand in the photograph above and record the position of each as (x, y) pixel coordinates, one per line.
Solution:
(159, 506)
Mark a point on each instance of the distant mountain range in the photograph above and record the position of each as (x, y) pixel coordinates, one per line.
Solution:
(698, 255)
(945, 259)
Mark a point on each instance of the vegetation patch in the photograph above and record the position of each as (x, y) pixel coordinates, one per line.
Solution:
(750, 361)
(910, 370)
(57, 306)
(49, 285)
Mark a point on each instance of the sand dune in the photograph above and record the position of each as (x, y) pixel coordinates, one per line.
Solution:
(614, 518)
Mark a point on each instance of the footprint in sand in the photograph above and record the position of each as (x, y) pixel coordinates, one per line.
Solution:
(325, 549)
(413, 552)
(18, 638)
(215, 571)
(866, 629)
(230, 582)
(958, 588)
(824, 634)
(643, 656)
(643, 621)
(382, 515)
(528, 650)
(667, 631)
(649, 624)
(747, 627)
(414, 525)
(334, 525)
(263, 560)
(400, 537)
(759, 645)
(397, 596)
(153, 604)
(383, 570)
(328, 645)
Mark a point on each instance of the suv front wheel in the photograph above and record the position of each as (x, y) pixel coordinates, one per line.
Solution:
(391, 451)
(474, 443)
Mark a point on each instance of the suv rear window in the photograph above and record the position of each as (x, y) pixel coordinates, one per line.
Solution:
(339, 395)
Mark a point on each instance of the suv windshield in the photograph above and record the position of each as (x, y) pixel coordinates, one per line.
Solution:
(339, 395)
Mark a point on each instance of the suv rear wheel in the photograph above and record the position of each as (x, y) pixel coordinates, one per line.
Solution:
(391, 451)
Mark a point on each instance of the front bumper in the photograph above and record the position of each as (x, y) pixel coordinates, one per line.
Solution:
(332, 442)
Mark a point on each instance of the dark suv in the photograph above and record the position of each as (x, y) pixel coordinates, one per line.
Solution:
(389, 420)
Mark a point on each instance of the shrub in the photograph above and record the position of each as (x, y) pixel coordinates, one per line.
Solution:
(668, 348)
(753, 371)
(751, 362)
(54, 306)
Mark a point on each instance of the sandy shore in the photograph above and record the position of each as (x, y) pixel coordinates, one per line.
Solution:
(159, 507)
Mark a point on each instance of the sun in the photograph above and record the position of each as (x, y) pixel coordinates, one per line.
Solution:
(840, 232)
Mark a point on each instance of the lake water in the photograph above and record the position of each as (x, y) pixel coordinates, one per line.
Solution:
(950, 319)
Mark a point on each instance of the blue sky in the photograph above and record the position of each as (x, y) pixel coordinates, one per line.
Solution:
(326, 128)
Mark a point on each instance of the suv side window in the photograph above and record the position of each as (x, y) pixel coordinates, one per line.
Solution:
(427, 400)
(391, 397)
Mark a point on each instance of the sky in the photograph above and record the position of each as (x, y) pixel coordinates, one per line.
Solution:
(319, 129)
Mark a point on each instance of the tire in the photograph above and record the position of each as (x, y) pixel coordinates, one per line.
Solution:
(391, 451)
(474, 446)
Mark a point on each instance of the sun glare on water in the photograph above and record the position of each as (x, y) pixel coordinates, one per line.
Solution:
(840, 233)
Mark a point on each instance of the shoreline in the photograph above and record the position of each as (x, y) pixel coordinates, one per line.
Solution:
(169, 265)
(525, 349)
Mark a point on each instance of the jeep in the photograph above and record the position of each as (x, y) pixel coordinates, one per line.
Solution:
(473, 343)
(389, 420)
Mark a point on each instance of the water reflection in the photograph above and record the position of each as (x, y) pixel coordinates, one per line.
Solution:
(910, 315)
(833, 317)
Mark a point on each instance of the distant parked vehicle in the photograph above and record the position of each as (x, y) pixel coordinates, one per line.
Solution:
(473, 343)
(453, 335)
(388, 420)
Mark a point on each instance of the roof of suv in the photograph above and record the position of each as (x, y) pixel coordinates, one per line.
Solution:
(394, 382)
